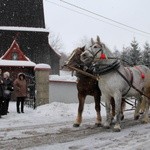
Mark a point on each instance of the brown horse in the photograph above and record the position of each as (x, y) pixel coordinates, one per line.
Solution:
(87, 86)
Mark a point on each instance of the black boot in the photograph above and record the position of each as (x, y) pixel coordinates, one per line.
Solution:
(18, 103)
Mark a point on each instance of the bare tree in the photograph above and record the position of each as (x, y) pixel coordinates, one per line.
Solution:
(84, 41)
(55, 42)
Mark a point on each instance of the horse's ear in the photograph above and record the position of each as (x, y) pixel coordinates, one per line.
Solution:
(98, 39)
(83, 48)
(92, 41)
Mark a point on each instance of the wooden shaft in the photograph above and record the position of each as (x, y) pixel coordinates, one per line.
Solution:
(83, 72)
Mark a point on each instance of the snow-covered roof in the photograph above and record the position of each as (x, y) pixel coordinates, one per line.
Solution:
(23, 29)
(17, 63)
(43, 66)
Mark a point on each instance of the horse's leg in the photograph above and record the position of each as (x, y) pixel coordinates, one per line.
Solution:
(145, 118)
(97, 98)
(118, 100)
(108, 114)
(81, 98)
(122, 108)
(143, 106)
(112, 103)
(137, 109)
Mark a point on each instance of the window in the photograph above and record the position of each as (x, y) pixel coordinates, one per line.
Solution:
(14, 56)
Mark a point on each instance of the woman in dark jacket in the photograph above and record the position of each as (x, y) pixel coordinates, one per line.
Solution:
(8, 88)
(20, 91)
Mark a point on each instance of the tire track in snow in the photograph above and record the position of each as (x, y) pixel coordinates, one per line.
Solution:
(37, 135)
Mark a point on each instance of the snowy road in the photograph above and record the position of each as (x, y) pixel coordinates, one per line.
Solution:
(50, 128)
(85, 137)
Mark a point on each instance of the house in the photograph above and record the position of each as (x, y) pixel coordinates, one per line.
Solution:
(25, 19)
(15, 61)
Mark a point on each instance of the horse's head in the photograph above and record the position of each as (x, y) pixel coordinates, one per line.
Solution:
(97, 52)
(97, 46)
(74, 58)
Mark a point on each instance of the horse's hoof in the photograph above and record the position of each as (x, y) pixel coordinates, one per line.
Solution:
(136, 117)
(76, 125)
(145, 121)
(106, 127)
(117, 128)
(98, 125)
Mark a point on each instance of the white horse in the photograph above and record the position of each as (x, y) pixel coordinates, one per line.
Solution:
(115, 80)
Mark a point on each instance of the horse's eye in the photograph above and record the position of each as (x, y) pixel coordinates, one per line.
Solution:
(95, 46)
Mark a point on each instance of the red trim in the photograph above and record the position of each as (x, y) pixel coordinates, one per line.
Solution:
(142, 74)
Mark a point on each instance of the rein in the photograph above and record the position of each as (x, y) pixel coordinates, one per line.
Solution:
(84, 72)
(106, 69)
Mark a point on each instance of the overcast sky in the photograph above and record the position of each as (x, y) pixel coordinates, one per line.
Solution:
(72, 27)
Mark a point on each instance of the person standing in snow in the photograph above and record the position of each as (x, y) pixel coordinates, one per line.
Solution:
(1, 93)
(20, 91)
(8, 88)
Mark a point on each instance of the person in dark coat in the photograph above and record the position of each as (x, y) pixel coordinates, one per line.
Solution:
(8, 88)
(20, 91)
(1, 93)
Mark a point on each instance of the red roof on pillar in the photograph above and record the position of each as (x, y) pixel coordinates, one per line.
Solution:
(14, 53)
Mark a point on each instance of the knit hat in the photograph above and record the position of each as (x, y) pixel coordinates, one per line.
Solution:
(7, 74)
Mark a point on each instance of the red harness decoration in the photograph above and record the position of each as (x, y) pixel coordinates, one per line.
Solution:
(102, 56)
(142, 74)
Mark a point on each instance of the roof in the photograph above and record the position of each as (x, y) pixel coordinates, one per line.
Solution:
(22, 61)
(17, 63)
(14, 48)
(11, 28)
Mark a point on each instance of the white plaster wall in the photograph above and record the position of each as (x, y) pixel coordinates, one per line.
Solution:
(65, 92)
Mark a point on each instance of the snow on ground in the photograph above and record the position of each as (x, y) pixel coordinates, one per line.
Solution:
(46, 118)
(49, 113)
(59, 113)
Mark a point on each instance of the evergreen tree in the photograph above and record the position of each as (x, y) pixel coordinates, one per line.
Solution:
(146, 54)
(135, 54)
(125, 57)
(116, 52)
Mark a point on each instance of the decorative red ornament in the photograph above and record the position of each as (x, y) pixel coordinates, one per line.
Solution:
(142, 75)
(102, 56)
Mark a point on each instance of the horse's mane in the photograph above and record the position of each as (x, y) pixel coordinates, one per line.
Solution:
(106, 50)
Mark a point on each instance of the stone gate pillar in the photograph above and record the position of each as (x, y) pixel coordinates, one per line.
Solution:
(42, 72)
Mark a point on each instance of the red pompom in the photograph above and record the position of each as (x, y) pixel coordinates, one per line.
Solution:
(142, 75)
(102, 56)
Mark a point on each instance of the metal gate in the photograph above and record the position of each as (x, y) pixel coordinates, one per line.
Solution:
(30, 100)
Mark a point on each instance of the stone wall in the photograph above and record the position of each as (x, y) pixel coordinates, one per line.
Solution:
(42, 72)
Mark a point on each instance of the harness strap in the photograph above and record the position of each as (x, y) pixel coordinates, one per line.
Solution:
(131, 82)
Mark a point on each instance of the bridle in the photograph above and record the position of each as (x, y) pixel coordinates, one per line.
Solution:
(94, 54)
